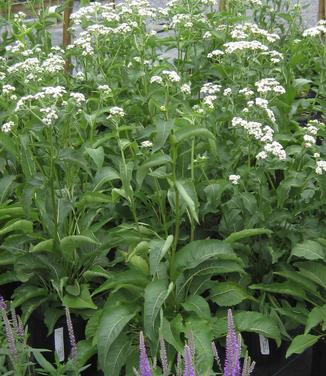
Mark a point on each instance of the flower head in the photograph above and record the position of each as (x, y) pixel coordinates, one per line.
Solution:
(189, 368)
(233, 350)
(144, 366)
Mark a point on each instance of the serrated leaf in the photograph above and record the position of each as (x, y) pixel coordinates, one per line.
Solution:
(155, 295)
(97, 156)
(198, 251)
(198, 305)
(227, 294)
(258, 323)
(158, 249)
(315, 271)
(285, 288)
(113, 321)
(309, 250)
(20, 225)
(316, 316)
(189, 196)
(83, 301)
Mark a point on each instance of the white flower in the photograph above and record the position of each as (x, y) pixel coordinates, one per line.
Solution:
(246, 92)
(50, 115)
(116, 111)
(262, 155)
(321, 167)
(227, 92)
(254, 45)
(6, 127)
(207, 35)
(268, 85)
(234, 179)
(316, 155)
(209, 100)
(210, 89)
(105, 89)
(171, 75)
(276, 149)
(79, 98)
(198, 109)
(315, 31)
(186, 89)
(146, 144)
(8, 89)
(215, 54)
(156, 80)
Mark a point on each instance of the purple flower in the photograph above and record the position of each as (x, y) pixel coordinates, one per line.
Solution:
(9, 332)
(233, 350)
(71, 333)
(164, 358)
(179, 365)
(144, 367)
(189, 368)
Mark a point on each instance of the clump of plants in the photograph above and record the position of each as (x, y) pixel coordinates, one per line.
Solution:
(165, 166)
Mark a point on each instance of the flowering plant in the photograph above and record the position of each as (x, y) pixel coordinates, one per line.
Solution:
(176, 169)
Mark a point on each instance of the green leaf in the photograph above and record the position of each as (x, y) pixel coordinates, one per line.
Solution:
(163, 129)
(113, 321)
(83, 301)
(26, 292)
(236, 236)
(258, 323)
(170, 336)
(316, 316)
(198, 305)
(155, 160)
(97, 156)
(315, 271)
(301, 343)
(106, 174)
(188, 132)
(46, 365)
(6, 184)
(227, 294)
(155, 295)
(20, 225)
(117, 356)
(45, 245)
(189, 196)
(284, 288)
(7, 143)
(198, 251)
(309, 250)
(158, 249)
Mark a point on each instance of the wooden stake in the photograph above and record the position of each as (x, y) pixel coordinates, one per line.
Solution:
(222, 5)
(66, 32)
(322, 10)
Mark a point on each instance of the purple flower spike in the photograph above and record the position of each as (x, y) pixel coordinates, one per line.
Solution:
(144, 367)
(72, 338)
(3, 305)
(9, 332)
(233, 350)
(164, 358)
(189, 368)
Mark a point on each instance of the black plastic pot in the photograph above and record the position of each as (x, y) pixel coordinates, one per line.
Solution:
(8, 289)
(318, 360)
(39, 338)
(254, 350)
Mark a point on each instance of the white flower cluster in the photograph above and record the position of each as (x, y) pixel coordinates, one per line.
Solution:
(49, 115)
(254, 45)
(34, 69)
(244, 31)
(246, 92)
(210, 89)
(116, 112)
(49, 92)
(171, 75)
(262, 134)
(311, 133)
(234, 179)
(6, 127)
(79, 98)
(262, 103)
(256, 3)
(274, 56)
(215, 54)
(8, 91)
(268, 85)
(187, 21)
(274, 148)
(321, 167)
(17, 46)
(318, 30)
(104, 89)
(146, 144)
(186, 89)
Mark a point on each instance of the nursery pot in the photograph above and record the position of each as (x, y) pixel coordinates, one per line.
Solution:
(263, 351)
(8, 289)
(318, 361)
(59, 338)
